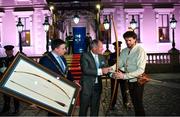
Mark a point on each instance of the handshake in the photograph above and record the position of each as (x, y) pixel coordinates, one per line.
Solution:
(106, 70)
(116, 75)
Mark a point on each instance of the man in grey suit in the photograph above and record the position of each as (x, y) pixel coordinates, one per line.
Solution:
(93, 65)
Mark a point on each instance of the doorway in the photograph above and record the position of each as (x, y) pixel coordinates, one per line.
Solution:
(79, 34)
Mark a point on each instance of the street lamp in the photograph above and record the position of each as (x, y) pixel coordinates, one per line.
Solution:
(20, 29)
(173, 26)
(46, 29)
(133, 23)
(174, 53)
(106, 24)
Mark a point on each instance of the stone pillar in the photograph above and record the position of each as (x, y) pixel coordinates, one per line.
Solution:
(174, 59)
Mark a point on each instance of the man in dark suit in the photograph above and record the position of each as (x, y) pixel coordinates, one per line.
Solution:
(123, 83)
(88, 42)
(70, 45)
(55, 60)
(5, 62)
(93, 65)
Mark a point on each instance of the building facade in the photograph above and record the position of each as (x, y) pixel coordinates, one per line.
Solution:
(152, 17)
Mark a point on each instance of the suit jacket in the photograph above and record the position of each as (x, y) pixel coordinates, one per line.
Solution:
(50, 62)
(89, 71)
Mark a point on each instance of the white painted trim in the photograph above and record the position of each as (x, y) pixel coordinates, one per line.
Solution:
(46, 12)
(134, 11)
(1, 14)
(23, 0)
(164, 10)
(167, 11)
(22, 13)
(107, 11)
(28, 14)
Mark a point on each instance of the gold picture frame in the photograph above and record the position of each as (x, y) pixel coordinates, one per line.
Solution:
(31, 82)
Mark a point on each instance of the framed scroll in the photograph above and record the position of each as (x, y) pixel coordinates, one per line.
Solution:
(35, 84)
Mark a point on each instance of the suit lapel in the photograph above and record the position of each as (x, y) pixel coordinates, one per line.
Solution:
(101, 61)
(92, 58)
(56, 63)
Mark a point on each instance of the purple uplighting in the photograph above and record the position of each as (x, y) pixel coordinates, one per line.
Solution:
(153, 28)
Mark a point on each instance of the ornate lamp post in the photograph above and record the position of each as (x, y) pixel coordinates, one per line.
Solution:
(173, 26)
(46, 29)
(106, 24)
(174, 53)
(20, 29)
(133, 23)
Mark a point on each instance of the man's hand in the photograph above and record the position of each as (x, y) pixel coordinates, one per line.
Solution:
(118, 75)
(33, 106)
(77, 83)
(106, 70)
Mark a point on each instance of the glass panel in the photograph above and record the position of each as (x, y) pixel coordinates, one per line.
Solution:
(26, 38)
(163, 34)
(165, 20)
(26, 31)
(163, 28)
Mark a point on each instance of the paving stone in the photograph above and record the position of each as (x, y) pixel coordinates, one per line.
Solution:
(160, 99)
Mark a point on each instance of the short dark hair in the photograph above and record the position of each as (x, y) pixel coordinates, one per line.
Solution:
(94, 43)
(56, 43)
(130, 34)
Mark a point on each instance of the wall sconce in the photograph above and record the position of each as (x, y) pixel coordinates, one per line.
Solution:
(46, 24)
(106, 23)
(19, 25)
(76, 19)
(173, 22)
(133, 23)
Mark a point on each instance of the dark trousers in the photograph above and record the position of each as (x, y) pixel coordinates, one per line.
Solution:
(92, 100)
(136, 93)
(123, 87)
(6, 106)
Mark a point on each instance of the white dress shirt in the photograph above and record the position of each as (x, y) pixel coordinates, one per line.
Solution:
(57, 58)
(99, 70)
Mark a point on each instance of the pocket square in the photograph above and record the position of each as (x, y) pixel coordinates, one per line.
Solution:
(102, 62)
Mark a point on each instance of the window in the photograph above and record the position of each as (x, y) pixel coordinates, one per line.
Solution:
(1, 14)
(138, 16)
(162, 24)
(26, 31)
(163, 28)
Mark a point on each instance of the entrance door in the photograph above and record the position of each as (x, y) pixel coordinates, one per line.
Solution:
(79, 34)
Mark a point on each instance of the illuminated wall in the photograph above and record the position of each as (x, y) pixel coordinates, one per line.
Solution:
(147, 13)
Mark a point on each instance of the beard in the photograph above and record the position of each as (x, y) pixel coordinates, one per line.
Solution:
(131, 45)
